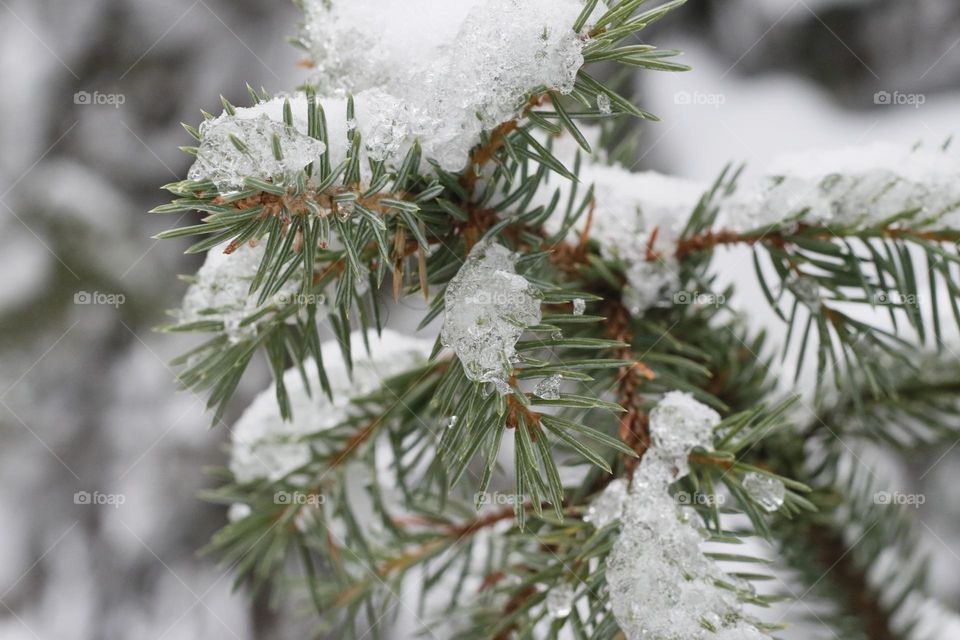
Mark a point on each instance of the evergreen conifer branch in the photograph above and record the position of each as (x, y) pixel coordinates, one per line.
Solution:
(400, 214)
(329, 234)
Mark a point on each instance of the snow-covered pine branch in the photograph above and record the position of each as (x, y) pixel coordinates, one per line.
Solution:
(526, 466)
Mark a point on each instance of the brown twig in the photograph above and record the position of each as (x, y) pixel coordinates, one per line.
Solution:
(710, 240)
(634, 431)
(486, 152)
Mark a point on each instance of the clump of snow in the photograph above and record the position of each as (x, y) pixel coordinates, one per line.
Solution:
(238, 511)
(661, 583)
(638, 218)
(359, 44)
(221, 160)
(441, 72)
(487, 308)
(851, 187)
(221, 290)
(267, 447)
(428, 72)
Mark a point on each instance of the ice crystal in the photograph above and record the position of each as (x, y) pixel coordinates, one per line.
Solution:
(487, 307)
(549, 388)
(233, 148)
(559, 601)
(806, 289)
(266, 446)
(455, 70)
(662, 585)
(579, 306)
(221, 290)
(765, 490)
(603, 103)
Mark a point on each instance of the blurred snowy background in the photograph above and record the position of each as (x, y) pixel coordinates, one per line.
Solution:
(101, 460)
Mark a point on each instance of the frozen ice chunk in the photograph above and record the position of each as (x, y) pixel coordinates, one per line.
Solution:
(765, 490)
(487, 308)
(661, 583)
(603, 103)
(233, 148)
(560, 601)
(428, 72)
(678, 424)
(268, 114)
(549, 388)
(508, 48)
(266, 447)
(579, 306)
(806, 290)
(608, 506)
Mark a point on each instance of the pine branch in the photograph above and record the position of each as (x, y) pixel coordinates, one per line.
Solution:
(382, 495)
(416, 211)
(821, 269)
